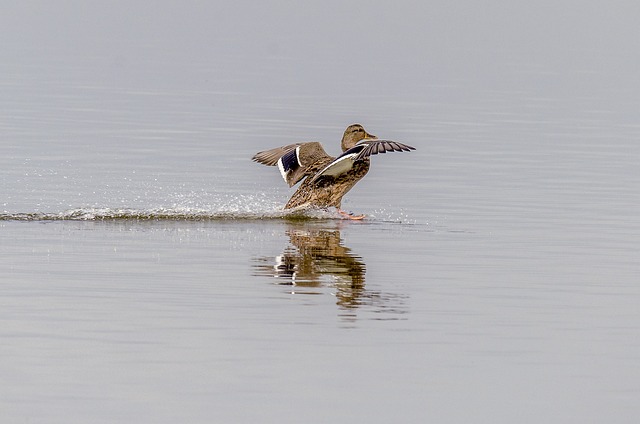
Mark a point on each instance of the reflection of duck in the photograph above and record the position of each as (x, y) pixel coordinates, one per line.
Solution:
(317, 258)
(328, 178)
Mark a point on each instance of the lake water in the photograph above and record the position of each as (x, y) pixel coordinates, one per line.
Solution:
(148, 274)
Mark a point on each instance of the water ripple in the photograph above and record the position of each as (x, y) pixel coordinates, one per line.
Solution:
(166, 214)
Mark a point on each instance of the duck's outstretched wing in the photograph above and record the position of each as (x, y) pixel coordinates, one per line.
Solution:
(366, 148)
(360, 151)
(295, 161)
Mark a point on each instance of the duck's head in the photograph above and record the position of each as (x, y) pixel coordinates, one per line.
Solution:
(353, 134)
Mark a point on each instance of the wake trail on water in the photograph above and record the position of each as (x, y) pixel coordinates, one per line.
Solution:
(159, 214)
(224, 209)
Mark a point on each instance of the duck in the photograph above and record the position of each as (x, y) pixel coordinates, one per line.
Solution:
(326, 178)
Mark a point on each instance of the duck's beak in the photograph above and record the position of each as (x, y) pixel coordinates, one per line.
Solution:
(370, 136)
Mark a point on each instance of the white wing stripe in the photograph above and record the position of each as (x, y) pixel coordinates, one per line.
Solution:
(298, 155)
(337, 167)
(282, 171)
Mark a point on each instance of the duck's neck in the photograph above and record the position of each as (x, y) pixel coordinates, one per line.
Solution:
(348, 142)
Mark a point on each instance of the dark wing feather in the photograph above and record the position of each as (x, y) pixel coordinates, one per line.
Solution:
(295, 161)
(271, 157)
(373, 147)
(360, 151)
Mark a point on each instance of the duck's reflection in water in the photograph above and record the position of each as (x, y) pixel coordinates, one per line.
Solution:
(316, 259)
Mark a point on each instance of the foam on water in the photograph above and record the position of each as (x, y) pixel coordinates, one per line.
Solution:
(161, 213)
(182, 214)
(191, 207)
(237, 207)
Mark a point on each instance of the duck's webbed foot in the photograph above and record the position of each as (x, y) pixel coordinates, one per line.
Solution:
(349, 215)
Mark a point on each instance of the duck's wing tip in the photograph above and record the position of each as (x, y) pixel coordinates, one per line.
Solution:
(373, 147)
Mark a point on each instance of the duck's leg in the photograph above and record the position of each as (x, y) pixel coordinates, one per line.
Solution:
(350, 216)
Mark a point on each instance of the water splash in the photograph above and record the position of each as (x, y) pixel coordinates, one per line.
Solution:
(195, 207)
(391, 215)
(231, 208)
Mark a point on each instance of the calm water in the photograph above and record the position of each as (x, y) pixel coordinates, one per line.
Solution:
(147, 273)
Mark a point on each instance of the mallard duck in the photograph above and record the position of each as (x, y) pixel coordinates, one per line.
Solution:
(328, 179)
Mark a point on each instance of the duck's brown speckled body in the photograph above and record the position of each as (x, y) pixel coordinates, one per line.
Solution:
(328, 179)
(328, 191)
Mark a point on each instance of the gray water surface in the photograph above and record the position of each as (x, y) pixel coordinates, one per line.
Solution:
(148, 273)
